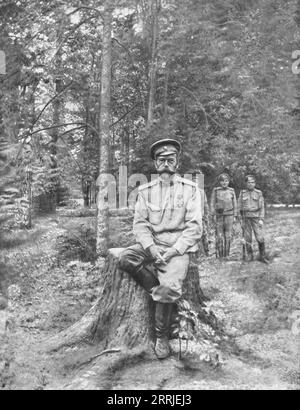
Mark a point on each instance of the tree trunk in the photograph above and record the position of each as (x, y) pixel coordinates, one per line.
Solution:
(127, 152)
(27, 201)
(123, 315)
(165, 100)
(56, 119)
(104, 126)
(86, 185)
(153, 61)
(119, 328)
(86, 175)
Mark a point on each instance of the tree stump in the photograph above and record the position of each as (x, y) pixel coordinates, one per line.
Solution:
(123, 315)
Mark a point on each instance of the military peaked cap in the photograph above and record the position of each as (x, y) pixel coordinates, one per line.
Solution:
(166, 146)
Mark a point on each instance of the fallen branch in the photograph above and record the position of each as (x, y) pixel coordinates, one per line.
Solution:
(107, 351)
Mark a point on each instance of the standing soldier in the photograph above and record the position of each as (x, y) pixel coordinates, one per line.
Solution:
(167, 226)
(223, 211)
(251, 210)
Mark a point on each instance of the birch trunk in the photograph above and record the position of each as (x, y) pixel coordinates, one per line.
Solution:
(104, 125)
(153, 61)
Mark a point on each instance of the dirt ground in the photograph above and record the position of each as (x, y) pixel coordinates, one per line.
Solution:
(258, 305)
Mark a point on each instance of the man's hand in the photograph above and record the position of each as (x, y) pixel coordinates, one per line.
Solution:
(261, 223)
(157, 253)
(170, 252)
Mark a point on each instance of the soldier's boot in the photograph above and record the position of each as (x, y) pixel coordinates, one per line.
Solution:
(262, 252)
(224, 248)
(206, 249)
(217, 250)
(249, 251)
(221, 247)
(244, 251)
(145, 278)
(220, 250)
(174, 323)
(227, 247)
(163, 312)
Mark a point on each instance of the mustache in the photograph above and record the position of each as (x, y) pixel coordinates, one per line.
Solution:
(164, 168)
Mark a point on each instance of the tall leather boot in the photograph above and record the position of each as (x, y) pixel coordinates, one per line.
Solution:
(163, 312)
(220, 248)
(227, 247)
(262, 252)
(222, 245)
(145, 278)
(249, 250)
(244, 252)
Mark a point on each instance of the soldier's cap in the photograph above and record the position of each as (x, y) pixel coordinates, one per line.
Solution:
(223, 176)
(250, 176)
(165, 147)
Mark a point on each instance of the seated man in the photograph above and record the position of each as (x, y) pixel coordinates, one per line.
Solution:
(167, 226)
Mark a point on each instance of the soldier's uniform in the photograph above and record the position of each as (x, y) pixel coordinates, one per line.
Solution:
(251, 209)
(224, 207)
(166, 215)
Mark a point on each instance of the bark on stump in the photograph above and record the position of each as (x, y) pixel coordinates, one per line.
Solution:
(123, 315)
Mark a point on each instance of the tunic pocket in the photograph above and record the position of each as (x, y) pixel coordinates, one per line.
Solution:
(154, 216)
(154, 213)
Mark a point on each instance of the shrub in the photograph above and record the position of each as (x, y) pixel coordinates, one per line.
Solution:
(78, 243)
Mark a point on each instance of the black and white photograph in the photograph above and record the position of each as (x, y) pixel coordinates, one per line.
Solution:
(149, 198)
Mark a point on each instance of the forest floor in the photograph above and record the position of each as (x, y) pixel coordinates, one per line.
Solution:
(258, 305)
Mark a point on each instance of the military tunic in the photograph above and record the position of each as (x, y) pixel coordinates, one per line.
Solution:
(166, 214)
(251, 208)
(224, 207)
(223, 202)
